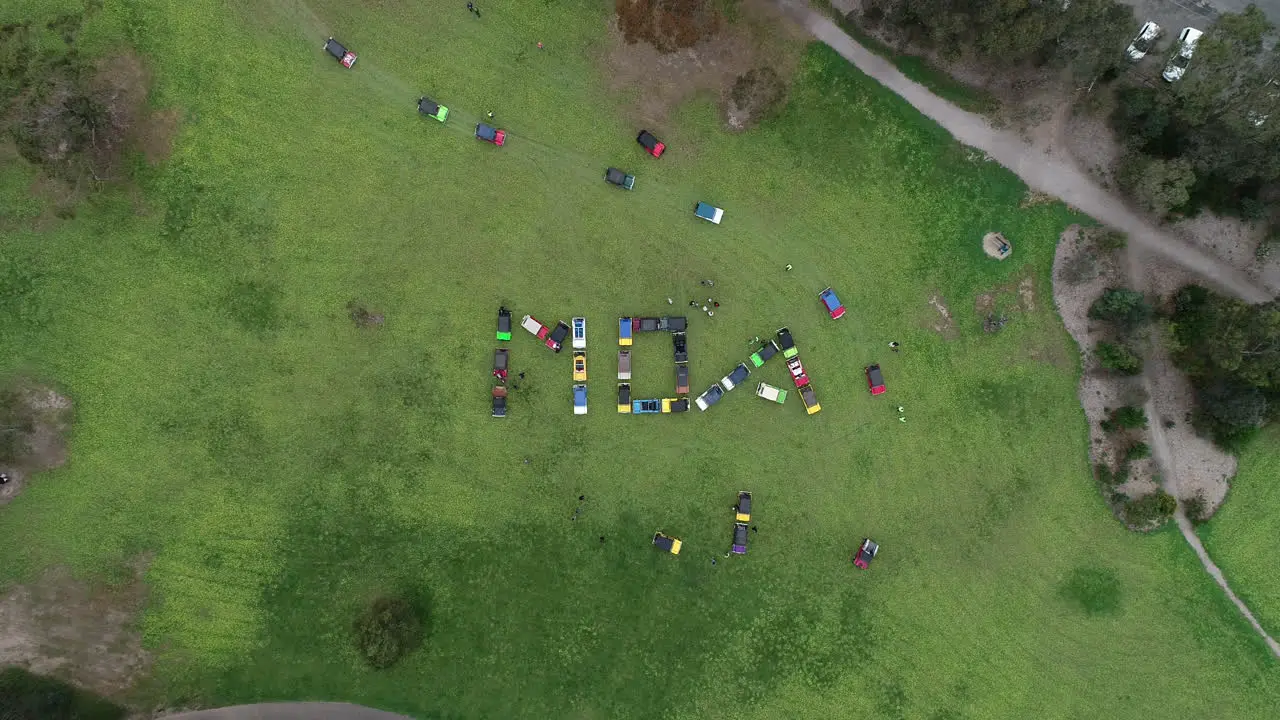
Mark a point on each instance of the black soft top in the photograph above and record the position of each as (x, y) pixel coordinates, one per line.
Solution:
(784, 339)
(744, 502)
(335, 48)
(560, 333)
(427, 107)
(615, 176)
(873, 374)
(624, 393)
(647, 139)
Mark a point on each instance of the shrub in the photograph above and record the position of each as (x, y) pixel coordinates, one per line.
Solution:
(756, 94)
(1137, 451)
(1151, 510)
(387, 630)
(1118, 358)
(1125, 418)
(1080, 269)
(1127, 308)
(1111, 240)
(1095, 590)
(1197, 508)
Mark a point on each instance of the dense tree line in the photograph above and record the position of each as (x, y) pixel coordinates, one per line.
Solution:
(1232, 352)
(1085, 36)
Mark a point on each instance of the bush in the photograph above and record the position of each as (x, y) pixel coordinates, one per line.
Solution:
(1230, 413)
(668, 25)
(387, 630)
(1111, 241)
(1125, 418)
(1151, 510)
(1118, 358)
(1127, 308)
(1137, 451)
(1197, 508)
(756, 94)
(1080, 269)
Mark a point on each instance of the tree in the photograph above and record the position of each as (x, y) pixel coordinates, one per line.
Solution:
(387, 630)
(1118, 357)
(1223, 337)
(1196, 508)
(1150, 511)
(1137, 451)
(1127, 308)
(1157, 184)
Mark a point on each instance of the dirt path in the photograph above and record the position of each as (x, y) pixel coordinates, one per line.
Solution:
(1039, 170)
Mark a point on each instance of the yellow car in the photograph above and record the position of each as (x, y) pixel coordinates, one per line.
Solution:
(666, 542)
(742, 511)
(624, 398)
(670, 405)
(579, 366)
(810, 399)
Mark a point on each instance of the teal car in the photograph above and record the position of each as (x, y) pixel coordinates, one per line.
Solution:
(432, 109)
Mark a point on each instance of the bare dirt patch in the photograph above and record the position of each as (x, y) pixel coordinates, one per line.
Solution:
(760, 37)
(939, 318)
(82, 632)
(36, 422)
(155, 136)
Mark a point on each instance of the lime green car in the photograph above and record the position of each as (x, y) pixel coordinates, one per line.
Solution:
(430, 108)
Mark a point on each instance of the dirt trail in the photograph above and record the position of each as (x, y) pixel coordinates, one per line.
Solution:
(1039, 170)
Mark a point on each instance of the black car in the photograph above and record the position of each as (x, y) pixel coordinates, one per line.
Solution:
(648, 324)
(340, 53)
(682, 378)
(558, 335)
(651, 144)
(681, 344)
(673, 323)
(617, 177)
(499, 402)
(504, 323)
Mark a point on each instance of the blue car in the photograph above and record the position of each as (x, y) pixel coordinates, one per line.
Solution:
(834, 307)
(641, 407)
(709, 398)
(579, 399)
(737, 377)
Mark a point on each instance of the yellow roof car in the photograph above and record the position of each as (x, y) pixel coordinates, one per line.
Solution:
(579, 366)
(666, 542)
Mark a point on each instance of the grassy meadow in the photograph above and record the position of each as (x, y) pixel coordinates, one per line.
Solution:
(280, 466)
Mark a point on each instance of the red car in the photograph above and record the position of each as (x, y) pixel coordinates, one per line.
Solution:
(867, 552)
(797, 372)
(875, 380)
(650, 143)
(340, 53)
(488, 133)
(832, 303)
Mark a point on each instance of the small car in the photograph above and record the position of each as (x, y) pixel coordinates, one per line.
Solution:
(675, 405)
(1143, 41)
(680, 347)
(682, 379)
(875, 380)
(709, 398)
(651, 144)
(624, 398)
(810, 400)
(499, 402)
(797, 372)
(667, 543)
(766, 351)
(340, 53)
(866, 553)
(624, 364)
(500, 364)
(769, 392)
(491, 134)
(619, 178)
(1177, 67)
(736, 378)
(432, 109)
(579, 399)
(673, 323)
(710, 213)
(555, 340)
(646, 407)
(740, 533)
(537, 329)
(579, 366)
(834, 307)
(742, 511)
(624, 332)
(786, 343)
(645, 324)
(504, 324)
(579, 333)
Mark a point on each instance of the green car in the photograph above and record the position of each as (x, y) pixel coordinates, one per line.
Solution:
(766, 351)
(431, 109)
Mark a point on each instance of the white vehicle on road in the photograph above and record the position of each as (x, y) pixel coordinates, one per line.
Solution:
(1143, 41)
(579, 333)
(1177, 66)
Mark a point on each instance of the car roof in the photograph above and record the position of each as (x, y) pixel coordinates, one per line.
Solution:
(428, 106)
(874, 374)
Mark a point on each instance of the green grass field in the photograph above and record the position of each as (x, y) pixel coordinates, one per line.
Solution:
(284, 466)
(1244, 537)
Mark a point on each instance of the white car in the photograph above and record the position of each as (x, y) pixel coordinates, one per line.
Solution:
(771, 393)
(579, 333)
(1143, 41)
(1177, 66)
